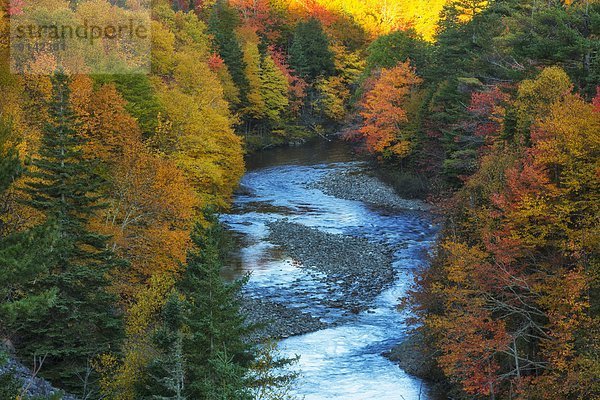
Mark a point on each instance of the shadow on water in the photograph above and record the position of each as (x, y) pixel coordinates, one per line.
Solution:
(314, 152)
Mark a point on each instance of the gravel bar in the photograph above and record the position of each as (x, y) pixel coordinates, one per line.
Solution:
(357, 269)
(358, 186)
(276, 320)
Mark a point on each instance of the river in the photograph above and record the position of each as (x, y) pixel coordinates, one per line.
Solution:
(342, 361)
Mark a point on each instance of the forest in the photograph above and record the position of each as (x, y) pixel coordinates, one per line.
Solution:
(111, 187)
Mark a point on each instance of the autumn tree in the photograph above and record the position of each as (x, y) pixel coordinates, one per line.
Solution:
(256, 108)
(230, 91)
(334, 93)
(384, 111)
(333, 98)
(566, 148)
(508, 300)
(122, 374)
(192, 158)
(150, 205)
(274, 90)
(258, 14)
(535, 96)
(196, 124)
(297, 86)
(81, 323)
(140, 98)
(461, 12)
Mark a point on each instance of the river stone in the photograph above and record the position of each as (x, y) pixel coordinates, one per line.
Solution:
(358, 186)
(276, 321)
(357, 269)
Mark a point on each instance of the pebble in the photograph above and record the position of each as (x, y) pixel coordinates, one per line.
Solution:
(358, 186)
(356, 269)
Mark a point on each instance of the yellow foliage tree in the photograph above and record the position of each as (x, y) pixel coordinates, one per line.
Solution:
(196, 124)
(379, 17)
(535, 96)
(151, 206)
(256, 108)
(119, 376)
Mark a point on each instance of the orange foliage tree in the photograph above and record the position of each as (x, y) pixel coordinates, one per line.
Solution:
(151, 205)
(508, 296)
(297, 86)
(384, 111)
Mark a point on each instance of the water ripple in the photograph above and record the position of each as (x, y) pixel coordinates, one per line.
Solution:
(342, 362)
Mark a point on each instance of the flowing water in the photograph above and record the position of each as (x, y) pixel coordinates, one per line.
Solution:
(344, 361)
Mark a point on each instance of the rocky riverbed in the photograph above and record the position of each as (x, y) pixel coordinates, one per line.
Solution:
(356, 269)
(355, 184)
(275, 320)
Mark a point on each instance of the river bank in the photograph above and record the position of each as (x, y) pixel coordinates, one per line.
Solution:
(358, 185)
(330, 249)
(354, 270)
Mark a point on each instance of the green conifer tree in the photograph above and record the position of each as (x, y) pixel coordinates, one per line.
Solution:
(10, 166)
(217, 356)
(22, 255)
(83, 321)
(310, 55)
(165, 377)
(202, 343)
(222, 23)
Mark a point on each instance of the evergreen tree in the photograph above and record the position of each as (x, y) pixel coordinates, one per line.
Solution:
(202, 345)
(22, 255)
(389, 50)
(82, 321)
(222, 23)
(217, 355)
(165, 377)
(310, 55)
(10, 166)
(271, 375)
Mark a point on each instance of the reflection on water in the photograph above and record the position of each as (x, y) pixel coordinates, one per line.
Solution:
(316, 152)
(342, 362)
